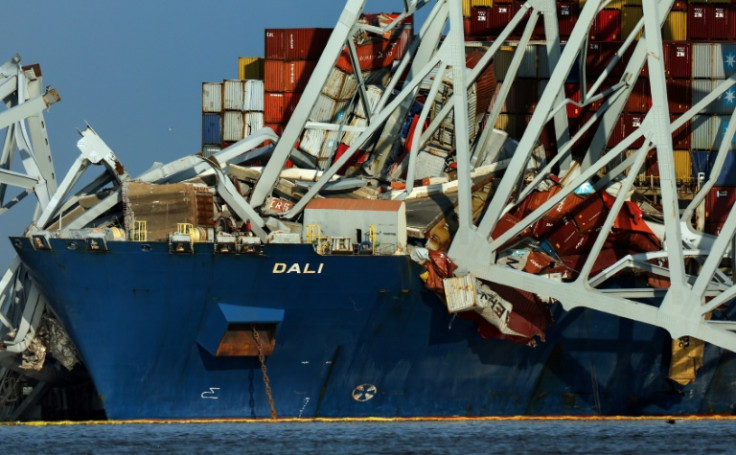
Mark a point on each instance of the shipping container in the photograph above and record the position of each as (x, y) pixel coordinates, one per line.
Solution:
(632, 122)
(724, 59)
(640, 99)
(719, 201)
(700, 89)
(379, 53)
(683, 165)
(607, 25)
(340, 85)
(720, 124)
(567, 15)
(500, 16)
(681, 136)
(697, 22)
(675, 26)
(700, 160)
(677, 60)
(702, 66)
(703, 136)
(328, 110)
(726, 103)
(296, 43)
(522, 97)
(718, 22)
(373, 94)
(287, 75)
(679, 95)
(232, 126)
(232, 95)
(250, 67)
(210, 149)
(278, 107)
(480, 21)
(630, 15)
(211, 129)
(467, 4)
(253, 95)
(212, 97)
(252, 122)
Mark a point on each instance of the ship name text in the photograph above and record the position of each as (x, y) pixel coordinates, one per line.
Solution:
(306, 268)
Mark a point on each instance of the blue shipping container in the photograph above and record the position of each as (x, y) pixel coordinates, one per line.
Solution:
(727, 176)
(700, 160)
(211, 129)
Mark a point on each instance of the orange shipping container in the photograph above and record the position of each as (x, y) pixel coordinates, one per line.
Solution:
(287, 76)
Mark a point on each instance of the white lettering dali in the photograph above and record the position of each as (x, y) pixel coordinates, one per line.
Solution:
(306, 268)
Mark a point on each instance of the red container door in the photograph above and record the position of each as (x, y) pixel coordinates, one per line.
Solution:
(500, 16)
(718, 203)
(718, 22)
(567, 15)
(607, 26)
(678, 60)
(681, 136)
(480, 21)
(679, 95)
(274, 40)
(278, 107)
(697, 22)
(639, 100)
(632, 122)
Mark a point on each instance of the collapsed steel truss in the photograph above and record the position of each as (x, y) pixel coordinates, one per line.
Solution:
(682, 308)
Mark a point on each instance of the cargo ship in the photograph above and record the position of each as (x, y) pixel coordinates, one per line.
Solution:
(492, 212)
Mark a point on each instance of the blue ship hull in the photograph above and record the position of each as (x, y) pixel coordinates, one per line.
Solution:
(355, 336)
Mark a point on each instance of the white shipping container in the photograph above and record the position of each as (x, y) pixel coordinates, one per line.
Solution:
(702, 60)
(232, 94)
(373, 94)
(351, 136)
(232, 126)
(329, 147)
(702, 132)
(311, 142)
(428, 165)
(701, 88)
(252, 122)
(460, 293)
(328, 110)
(340, 85)
(212, 97)
(253, 95)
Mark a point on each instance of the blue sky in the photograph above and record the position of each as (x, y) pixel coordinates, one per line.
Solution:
(133, 69)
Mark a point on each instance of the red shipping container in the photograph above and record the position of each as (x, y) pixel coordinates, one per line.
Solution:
(679, 95)
(681, 136)
(296, 43)
(718, 22)
(480, 21)
(567, 14)
(607, 26)
(486, 82)
(522, 97)
(640, 98)
(547, 137)
(618, 133)
(379, 53)
(697, 22)
(718, 203)
(632, 122)
(287, 76)
(501, 15)
(278, 107)
(678, 59)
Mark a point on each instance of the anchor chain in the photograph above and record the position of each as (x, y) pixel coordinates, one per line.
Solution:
(266, 380)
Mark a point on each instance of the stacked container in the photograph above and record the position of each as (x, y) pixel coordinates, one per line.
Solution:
(291, 56)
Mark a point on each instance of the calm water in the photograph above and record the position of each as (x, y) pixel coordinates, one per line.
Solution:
(466, 437)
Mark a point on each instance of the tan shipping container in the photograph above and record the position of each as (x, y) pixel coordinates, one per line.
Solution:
(630, 15)
(683, 165)
(466, 8)
(675, 26)
(250, 67)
